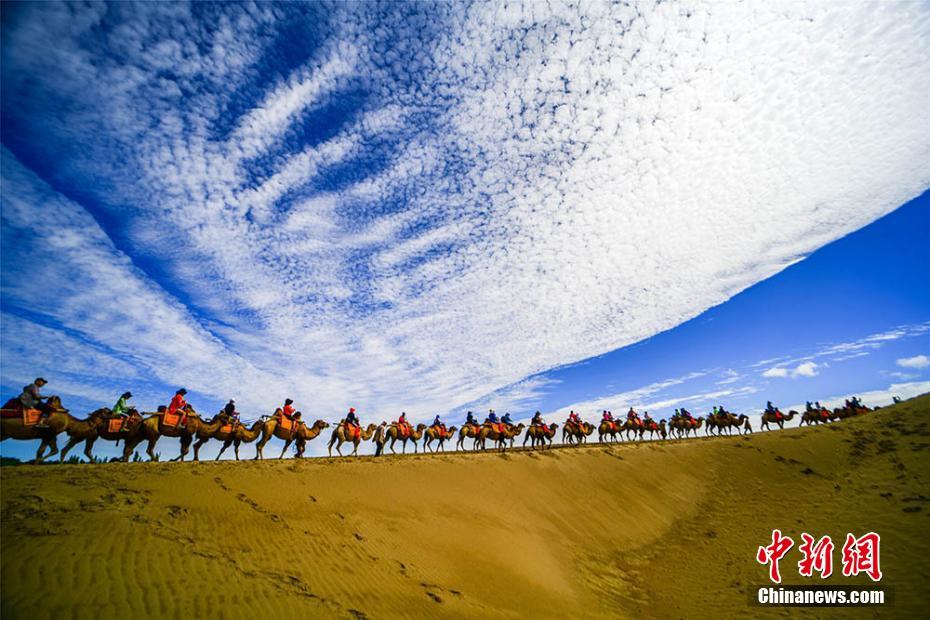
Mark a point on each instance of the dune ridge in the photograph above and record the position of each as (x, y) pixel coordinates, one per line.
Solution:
(656, 529)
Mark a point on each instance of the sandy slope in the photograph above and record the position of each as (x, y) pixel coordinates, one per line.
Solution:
(664, 529)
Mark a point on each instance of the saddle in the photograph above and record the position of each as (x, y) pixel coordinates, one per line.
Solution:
(14, 409)
(354, 431)
(403, 429)
(475, 426)
(653, 426)
(119, 424)
(286, 423)
(441, 431)
(230, 428)
(498, 427)
(30, 417)
(170, 420)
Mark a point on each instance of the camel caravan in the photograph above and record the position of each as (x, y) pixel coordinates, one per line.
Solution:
(32, 416)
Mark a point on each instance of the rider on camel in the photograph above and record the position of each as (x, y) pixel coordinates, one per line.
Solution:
(537, 420)
(122, 410)
(178, 404)
(32, 399)
(506, 419)
(230, 410)
(492, 417)
(772, 409)
(288, 409)
(574, 418)
(647, 419)
(470, 419)
(687, 415)
(607, 416)
(633, 417)
(351, 418)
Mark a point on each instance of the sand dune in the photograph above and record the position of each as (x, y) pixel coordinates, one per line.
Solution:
(666, 529)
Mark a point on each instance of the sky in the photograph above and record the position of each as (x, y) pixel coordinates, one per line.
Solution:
(435, 207)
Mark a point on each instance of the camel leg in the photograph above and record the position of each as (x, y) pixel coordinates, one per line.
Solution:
(150, 450)
(197, 445)
(339, 446)
(355, 450)
(287, 444)
(64, 451)
(258, 448)
(236, 445)
(185, 446)
(89, 448)
(393, 439)
(226, 444)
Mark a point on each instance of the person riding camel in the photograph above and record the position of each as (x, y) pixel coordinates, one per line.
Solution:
(32, 399)
(856, 403)
(824, 412)
(506, 419)
(492, 417)
(403, 425)
(537, 420)
(713, 413)
(607, 416)
(676, 415)
(288, 409)
(179, 405)
(647, 420)
(685, 414)
(808, 406)
(230, 411)
(437, 424)
(633, 417)
(574, 419)
(122, 410)
(352, 423)
(772, 409)
(470, 419)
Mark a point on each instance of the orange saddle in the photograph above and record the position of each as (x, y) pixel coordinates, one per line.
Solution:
(14, 409)
(227, 429)
(404, 430)
(115, 425)
(286, 423)
(171, 419)
(354, 430)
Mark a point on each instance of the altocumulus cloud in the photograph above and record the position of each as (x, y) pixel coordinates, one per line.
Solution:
(918, 361)
(413, 203)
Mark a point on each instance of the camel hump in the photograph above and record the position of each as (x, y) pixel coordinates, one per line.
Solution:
(13, 405)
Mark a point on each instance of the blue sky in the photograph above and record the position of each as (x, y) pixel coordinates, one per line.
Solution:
(431, 207)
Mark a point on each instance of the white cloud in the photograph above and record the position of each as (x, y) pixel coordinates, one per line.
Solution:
(918, 361)
(526, 158)
(804, 369)
(775, 372)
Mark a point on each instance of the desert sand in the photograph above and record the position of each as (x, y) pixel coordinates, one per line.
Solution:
(655, 529)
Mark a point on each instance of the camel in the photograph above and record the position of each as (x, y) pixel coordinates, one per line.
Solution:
(340, 435)
(608, 428)
(101, 430)
(469, 430)
(433, 433)
(771, 417)
(305, 434)
(727, 424)
(573, 433)
(683, 426)
(821, 416)
(153, 428)
(660, 428)
(488, 431)
(393, 433)
(841, 413)
(271, 427)
(237, 436)
(541, 434)
(58, 421)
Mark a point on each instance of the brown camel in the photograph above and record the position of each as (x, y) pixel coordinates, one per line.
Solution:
(609, 429)
(488, 431)
(272, 428)
(821, 416)
(541, 434)
(576, 434)
(660, 428)
(469, 430)
(684, 426)
(238, 435)
(727, 423)
(340, 435)
(771, 417)
(841, 413)
(394, 433)
(58, 421)
(101, 430)
(153, 428)
(306, 433)
(435, 434)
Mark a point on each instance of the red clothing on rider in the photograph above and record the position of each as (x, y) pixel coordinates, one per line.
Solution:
(288, 411)
(607, 417)
(574, 418)
(177, 403)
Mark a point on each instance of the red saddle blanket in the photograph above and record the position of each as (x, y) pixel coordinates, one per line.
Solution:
(353, 431)
(14, 409)
(441, 432)
(403, 430)
(171, 419)
(498, 428)
(653, 427)
(115, 425)
(285, 423)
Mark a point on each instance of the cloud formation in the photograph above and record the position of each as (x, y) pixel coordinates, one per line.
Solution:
(415, 204)
(918, 361)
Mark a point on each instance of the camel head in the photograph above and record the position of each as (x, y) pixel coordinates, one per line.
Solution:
(54, 403)
(452, 429)
(421, 427)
